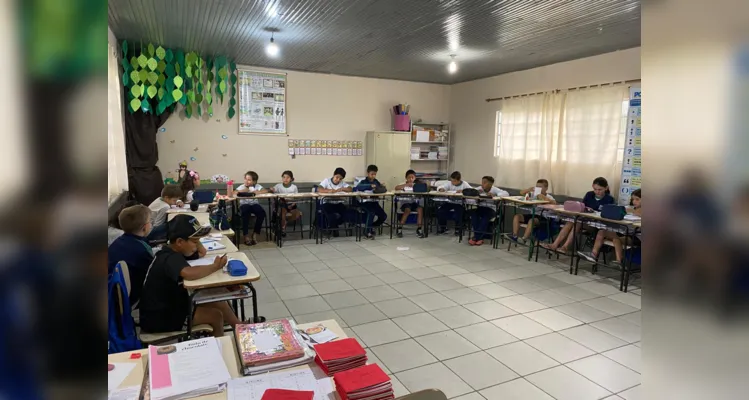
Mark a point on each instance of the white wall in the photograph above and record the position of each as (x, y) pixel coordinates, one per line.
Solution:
(319, 106)
(473, 119)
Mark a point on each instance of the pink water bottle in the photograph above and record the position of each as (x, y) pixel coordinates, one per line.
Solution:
(229, 188)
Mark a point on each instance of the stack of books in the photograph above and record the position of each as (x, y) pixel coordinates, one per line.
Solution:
(188, 369)
(364, 383)
(270, 346)
(340, 355)
(284, 394)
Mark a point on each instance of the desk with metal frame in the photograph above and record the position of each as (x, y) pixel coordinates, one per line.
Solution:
(319, 220)
(401, 195)
(447, 196)
(296, 198)
(526, 205)
(477, 201)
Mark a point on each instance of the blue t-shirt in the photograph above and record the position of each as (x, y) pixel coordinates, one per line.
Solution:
(590, 201)
(136, 252)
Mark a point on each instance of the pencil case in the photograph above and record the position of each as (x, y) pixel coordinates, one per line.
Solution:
(236, 268)
(574, 206)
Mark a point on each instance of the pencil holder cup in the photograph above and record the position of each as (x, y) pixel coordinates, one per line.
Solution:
(401, 123)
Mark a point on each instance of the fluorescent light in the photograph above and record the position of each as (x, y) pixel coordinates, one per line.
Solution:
(272, 48)
(452, 67)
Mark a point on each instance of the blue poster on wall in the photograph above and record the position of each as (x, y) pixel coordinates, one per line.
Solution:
(632, 161)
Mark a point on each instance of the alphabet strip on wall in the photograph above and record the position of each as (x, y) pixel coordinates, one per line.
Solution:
(306, 147)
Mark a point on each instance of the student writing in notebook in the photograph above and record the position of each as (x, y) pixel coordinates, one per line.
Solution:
(371, 205)
(456, 185)
(164, 301)
(249, 206)
(410, 205)
(170, 195)
(133, 248)
(486, 210)
(335, 209)
(525, 217)
(286, 186)
(635, 208)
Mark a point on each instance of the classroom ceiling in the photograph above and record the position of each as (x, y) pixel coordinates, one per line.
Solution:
(395, 39)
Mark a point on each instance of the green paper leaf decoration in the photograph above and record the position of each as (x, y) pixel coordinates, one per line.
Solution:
(169, 56)
(160, 108)
(145, 107)
(160, 52)
(153, 77)
(143, 75)
(198, 98)
(232, 102)
(183, 100)
(222, 73)
(134, 104)
(170, 70)
(176, 94)
(233, 79)
(231, 112)
(210, 75)
(178, 69)
(136, 90)
(222, 87)
(125, 79)
(151, 49)
(220, 98)
(125, 64)
(151, 91)
(188, 111)
(200, 112)
(134, 62)
(233, 66)
(188, 71)
(168, 99)
(178, 81)
(161, 93)
(199, 73)
(169, 85)
(161, 79)
(135, 76)
(209, 99)
(200, 87)
(191, 96)
(162, 66)
(142, 60)
(124, 49)
(233, 91)
(152, 64)
(180, 57)
(210, 110)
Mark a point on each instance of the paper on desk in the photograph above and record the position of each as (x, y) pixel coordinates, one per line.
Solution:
(213, 245)
(126, 393)
(202, 261)
(118, 374)
(252, 388)
(632, 217)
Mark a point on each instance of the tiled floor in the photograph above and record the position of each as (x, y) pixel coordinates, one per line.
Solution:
(474, 322)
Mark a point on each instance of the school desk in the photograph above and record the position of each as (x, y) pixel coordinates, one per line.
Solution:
(228, 352)
(294, 198)
(519, 202)
(404, 196)
(321, 197)
(230, 247)
(223, 279)
(479, 201)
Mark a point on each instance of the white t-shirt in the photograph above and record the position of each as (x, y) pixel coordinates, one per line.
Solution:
(404, 199)
(328, 184)
(158, 211)
(189, 196)
(251, 200)
(495, 192)
(280, 188)
(539, 211)
(449, 187)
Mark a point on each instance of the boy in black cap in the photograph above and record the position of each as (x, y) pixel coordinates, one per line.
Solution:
(164, 301)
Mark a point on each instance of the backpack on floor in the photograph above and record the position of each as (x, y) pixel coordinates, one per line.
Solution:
(121, 328)
(218, 218)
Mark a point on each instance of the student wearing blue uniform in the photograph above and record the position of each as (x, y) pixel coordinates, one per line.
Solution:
(371, 205)
(335, 210)
(486, 210)
(594, 200)
(133, 248)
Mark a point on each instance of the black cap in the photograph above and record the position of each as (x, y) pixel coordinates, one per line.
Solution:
(185, 226)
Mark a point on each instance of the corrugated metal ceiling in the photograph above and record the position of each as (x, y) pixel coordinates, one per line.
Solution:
(396, 39)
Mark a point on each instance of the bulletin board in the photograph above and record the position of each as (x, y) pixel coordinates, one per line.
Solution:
(632, 161)
(262, 102)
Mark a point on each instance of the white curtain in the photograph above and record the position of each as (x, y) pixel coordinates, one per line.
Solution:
(569, 138)
(117, 168)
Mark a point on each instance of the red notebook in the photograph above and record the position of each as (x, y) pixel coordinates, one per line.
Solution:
(283, 394)
(341, 355)
(367, 382)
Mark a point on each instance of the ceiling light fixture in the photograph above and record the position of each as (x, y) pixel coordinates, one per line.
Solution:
(453, 66)
(272, 48)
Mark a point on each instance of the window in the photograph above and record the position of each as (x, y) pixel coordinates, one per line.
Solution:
(498, 134)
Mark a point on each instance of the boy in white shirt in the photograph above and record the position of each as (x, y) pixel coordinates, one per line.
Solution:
(410, 204)
(334, 209)
(286, 187)
(486, 210)
(543, 184)
(456, 185)
(248, 206)
(170, 195)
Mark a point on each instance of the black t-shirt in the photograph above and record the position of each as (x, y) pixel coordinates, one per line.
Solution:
(596, 204)
(164, 302)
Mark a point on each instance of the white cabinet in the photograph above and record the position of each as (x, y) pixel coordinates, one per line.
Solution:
(391, 153)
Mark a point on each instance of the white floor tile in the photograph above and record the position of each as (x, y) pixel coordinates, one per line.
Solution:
(320, 276)
(493, 290)
(449, 269)
(287, 280)
(464, 296)
(346, 299)
(592, 338)
(446, 345)
(634, 393)
(303, 306)
(521, 304)
(456, 317)
(521, 327)
(612, 307)
(390, 257)
(361, 314)
(490, 309)
(442, 283)
(583, 313)
(380, 293)
(365, 281)
(433, 261)
(279, 270)
(398, 307)
(340, 263)
(576, 293)
(629, 299)
(271, 311)
(381, 332)
(521, 286)
(605, 372)
(563, 383)
(394, 277)
(599, 287)
(432, 301)
(398, 388)
(319, 316)
(522, 358)
(420, 324)
(423, 273)
(635, 318)
(480, 370)
(549, 298)
(496, 276)
(620, 328)
(373, 359)
(470, 279)
(553, 319)
(486, 335)
(362, 260)
(407, 264)
(518, 389)
(412, 288)
(296, 292)
(403, 355)
(302, 258)
(629, 356)
(334, 286)
(434, 376)
(566, 277)
(470, 396)
(352, 271)
(311, 266)
(559, 347)
(380, 267)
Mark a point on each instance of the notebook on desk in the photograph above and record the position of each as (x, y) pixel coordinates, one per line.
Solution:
(188, 369)
(267, 343)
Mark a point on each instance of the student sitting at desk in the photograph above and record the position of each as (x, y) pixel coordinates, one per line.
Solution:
(371, 205)
(170, 195)
(189, 185)
(634, 208)
(456, 185)
(286, 187)
(415, 204)
(133, 248)
(248, 206)
(335, 209)
(164, 301)
(594, 200)
(543, 185)
(485, 211)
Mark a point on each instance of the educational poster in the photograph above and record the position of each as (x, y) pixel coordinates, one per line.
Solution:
(262, 102)
(632, 162)
(304, 147)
